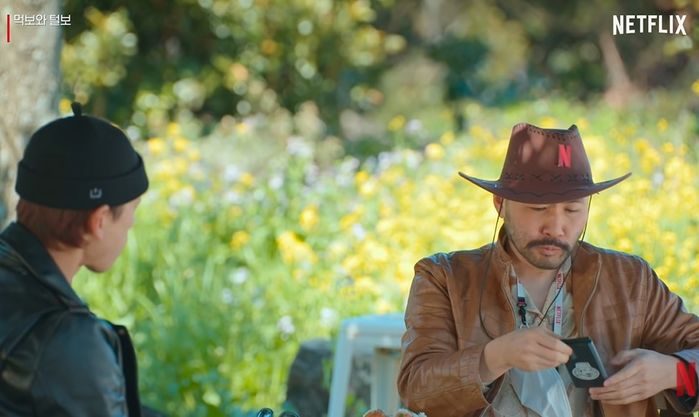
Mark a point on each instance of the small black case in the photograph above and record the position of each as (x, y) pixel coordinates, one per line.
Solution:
(585, 366)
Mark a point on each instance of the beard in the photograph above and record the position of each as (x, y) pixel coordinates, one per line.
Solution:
(530, 250)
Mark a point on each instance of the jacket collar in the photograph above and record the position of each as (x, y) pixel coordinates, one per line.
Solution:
(27, 251)
(586, 268)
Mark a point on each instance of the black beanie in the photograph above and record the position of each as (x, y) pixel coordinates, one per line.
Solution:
(80, 162)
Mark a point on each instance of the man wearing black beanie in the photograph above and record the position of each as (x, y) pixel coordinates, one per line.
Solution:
(79, 183)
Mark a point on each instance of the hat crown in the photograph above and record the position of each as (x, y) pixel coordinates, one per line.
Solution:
(534, 152)
(80, 162)
(544, 166)
(80, 147)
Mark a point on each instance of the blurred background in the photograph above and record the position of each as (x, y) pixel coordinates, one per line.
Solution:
(303, 156)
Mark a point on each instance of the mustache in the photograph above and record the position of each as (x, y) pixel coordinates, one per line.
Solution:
(549, 242)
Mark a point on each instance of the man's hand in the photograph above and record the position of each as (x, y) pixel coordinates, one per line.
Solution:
(644, 373)
(526, 349)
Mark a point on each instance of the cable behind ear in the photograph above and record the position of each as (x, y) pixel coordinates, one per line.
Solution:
(582, 237)
(502, 204)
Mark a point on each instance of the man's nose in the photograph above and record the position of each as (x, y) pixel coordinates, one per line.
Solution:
(554, 224)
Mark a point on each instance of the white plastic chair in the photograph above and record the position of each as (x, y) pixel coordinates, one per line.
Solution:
(380, 335)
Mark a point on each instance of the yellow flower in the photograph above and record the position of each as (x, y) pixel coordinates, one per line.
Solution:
(385, 211)
(650, 160)
(349, 220)
(669, 239)
(156, 146)
(180, 165)
(351, 264)
(309, 217)
(64, 106)
(172, 129)
(668, 148)
(695, 87)
(392, 175)
(396, 123)
(384, 306)
(625, 245)
(582, 123)
(368, 188)
(447, 138)
(662, 125)
(241, 128)
(404, 287)
(172, 186)
(366, 285)
(480, 133)
(641, 145)
(247, 180)
(361, 11)
(163, 170)
(293, 249)
(180, 144)
(669, 263)
(434, 151)
(239, 239)
(622, 162)
(548, 122)
(337, 249)
(360, 177)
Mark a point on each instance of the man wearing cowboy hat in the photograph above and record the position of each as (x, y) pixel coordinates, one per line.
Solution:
(484, 326)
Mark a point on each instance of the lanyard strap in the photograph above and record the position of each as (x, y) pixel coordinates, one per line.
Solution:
(557, 308)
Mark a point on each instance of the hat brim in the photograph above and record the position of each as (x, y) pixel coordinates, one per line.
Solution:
(77, 194)
(546, 197)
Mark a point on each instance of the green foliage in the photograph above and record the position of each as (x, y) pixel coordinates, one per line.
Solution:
(143, 64)
(214, 57)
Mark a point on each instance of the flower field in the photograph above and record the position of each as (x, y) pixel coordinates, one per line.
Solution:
(264, 234)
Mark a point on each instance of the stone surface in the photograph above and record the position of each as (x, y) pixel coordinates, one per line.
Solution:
(308, 385)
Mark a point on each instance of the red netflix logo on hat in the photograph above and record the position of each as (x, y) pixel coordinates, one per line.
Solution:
(564, 155)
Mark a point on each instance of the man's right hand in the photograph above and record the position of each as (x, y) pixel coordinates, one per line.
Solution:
(530, 349)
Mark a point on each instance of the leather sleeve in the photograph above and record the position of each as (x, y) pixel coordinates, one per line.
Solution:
(436, 377)
(79, 374)
(670, 329)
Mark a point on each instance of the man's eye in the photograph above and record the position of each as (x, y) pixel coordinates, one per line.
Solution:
(538, 208)
(572, 210)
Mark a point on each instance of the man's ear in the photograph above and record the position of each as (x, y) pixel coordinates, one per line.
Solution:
(94, 227)
(498, 203)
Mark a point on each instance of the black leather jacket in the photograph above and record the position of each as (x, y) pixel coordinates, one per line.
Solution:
(56, 357)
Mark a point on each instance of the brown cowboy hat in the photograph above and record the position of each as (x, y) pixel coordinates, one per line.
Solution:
(544, 166)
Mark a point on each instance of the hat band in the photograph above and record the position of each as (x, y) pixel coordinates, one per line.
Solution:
(81, 194)
(518, 179)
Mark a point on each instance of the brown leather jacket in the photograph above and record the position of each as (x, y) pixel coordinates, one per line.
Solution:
(618, 301)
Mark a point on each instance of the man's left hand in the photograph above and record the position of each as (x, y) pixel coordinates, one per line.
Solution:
(644, 373)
